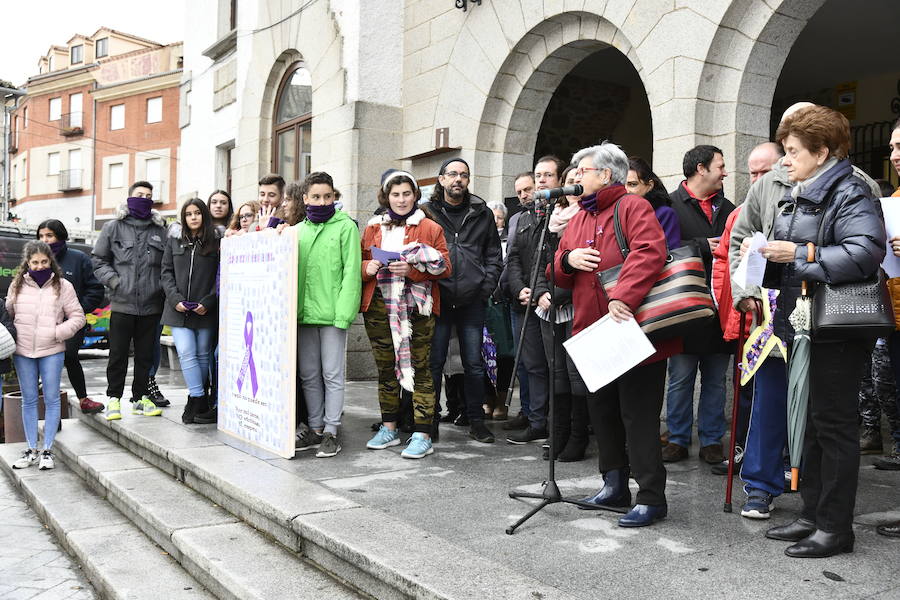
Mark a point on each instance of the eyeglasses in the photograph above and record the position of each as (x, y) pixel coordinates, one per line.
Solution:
(246, 216)
(454, 175)
(580, 171)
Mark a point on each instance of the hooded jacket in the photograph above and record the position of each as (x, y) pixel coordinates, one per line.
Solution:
(853, 245)
(328, 280)
(188, 275)
(127, 259)
(474, 252)
(44, 318)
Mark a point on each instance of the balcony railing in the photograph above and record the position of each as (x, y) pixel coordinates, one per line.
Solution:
(159, 190)
(72, 123)
(69, 180)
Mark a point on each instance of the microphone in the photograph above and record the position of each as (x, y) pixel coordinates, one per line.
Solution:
(569, 190)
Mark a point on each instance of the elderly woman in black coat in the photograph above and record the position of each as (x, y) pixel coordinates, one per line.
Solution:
(825, 192)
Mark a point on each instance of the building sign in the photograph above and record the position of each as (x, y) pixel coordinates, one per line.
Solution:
(258, 339)
(846, 99)
(135, 67)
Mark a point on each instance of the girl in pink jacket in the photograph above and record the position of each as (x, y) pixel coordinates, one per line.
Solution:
(46, 312)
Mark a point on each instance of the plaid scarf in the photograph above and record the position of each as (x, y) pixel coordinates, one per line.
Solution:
(402, 297)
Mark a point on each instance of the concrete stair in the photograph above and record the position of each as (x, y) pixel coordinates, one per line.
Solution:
(245, 528)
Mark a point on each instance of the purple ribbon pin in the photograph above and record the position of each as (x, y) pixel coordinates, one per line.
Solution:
(247, 362)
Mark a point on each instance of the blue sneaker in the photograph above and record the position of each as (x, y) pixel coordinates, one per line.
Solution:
(385, 438)
(419, 446)
(758, 505)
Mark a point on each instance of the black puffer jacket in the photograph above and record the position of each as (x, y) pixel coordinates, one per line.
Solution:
(474, 252)
(76, 267)
(189, 275)
(854, 239)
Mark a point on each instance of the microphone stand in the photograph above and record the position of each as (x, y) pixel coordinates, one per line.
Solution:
(550, 494)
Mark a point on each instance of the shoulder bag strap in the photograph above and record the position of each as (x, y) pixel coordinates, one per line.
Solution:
(620, 236)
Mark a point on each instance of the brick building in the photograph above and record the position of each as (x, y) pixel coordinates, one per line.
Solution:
(102, 112)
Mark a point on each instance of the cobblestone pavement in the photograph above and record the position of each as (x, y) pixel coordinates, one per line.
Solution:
(33, 566)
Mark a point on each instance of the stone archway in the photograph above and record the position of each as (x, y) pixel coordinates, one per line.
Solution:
(738, 81)
(524, 85)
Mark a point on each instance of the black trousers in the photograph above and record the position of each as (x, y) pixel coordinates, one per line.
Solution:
(625, 416)
(73, 364)
(123, 329)
(831, 446)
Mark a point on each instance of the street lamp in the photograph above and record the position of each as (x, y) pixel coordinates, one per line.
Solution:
(7, 93)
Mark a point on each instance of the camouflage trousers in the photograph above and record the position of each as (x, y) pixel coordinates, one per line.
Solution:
(878, 391)
(379, 332)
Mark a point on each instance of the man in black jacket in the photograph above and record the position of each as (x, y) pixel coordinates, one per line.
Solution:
(476, 259)
(702, 211)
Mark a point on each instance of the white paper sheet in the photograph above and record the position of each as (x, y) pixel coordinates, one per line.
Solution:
(752, 267)
(605, 350)
(891, 209)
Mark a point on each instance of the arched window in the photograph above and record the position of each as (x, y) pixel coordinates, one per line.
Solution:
(291, 143)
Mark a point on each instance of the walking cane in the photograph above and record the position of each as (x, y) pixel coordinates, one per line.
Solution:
(734, 410)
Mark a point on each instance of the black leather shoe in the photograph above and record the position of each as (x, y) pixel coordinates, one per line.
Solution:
(615, 490)
(821, 544)
(793, 531)
(642, 515)
(890, 530)
(480, 433)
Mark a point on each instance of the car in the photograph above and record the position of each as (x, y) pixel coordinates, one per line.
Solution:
(12, 241)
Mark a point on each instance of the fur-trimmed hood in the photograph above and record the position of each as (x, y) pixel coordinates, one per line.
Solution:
(155, 216)
(384, 218)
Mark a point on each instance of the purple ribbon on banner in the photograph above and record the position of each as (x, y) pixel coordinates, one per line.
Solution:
(247, 362)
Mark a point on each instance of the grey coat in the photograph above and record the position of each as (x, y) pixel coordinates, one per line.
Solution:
(853, 238)
(127, 259)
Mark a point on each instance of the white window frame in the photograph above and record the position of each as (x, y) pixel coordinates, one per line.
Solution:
(80, 49)
(76, 121)
(55, 109)
(154, 109)
(105, 42)
(113, 121)
(53, 163)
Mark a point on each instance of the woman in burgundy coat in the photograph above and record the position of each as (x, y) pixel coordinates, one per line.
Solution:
(625, 413)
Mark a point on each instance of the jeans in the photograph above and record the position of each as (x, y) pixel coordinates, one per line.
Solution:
(49, 369)
(193, 347)
(763, 464)
(157, 353)
(73, 364)
(124, 328)
(680, 398)
(321, 363)
(469, 324)
(521, 372)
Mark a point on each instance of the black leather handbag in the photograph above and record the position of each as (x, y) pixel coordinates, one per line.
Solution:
(851, 311)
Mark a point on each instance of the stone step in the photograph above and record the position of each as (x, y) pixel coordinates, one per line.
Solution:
(336, 534)
(227, 556)
(118, 559)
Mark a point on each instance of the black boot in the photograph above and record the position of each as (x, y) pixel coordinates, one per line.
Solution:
(453, 391)
(578, 435)
(208, 417)
(190, 409)
(821, 544)
(615, 490)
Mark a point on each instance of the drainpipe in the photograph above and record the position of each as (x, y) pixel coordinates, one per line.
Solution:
(7, 92)
(94, 165)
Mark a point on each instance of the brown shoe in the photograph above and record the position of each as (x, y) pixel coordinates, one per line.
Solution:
(712, 454)
(664, 438)
(501, 413)
(89, 407)
(674, 452)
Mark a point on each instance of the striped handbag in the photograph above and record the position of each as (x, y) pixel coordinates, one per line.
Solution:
(680, 298)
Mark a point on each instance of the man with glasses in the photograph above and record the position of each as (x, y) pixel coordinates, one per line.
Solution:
(127, 259)
(476, 259)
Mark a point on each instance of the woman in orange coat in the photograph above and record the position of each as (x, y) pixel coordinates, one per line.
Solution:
(403, 253)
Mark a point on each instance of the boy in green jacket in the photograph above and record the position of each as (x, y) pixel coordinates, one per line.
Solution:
(329, 288)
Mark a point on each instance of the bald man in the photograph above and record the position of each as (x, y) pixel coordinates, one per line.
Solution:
(762, 158)
(763, 468)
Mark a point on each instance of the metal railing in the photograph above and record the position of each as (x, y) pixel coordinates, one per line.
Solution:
(69, 180)
(72, 123)
(869, 148)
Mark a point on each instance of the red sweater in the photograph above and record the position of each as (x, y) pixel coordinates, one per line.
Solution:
(729, 317)
(647, 243)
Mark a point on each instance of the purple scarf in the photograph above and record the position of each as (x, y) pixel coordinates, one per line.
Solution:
(57, 247)
(400, 218)
(319, 213)
(139, 208)
(589, 203)
(40, 277)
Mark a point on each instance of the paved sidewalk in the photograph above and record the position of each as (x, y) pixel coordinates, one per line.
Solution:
(32, 564)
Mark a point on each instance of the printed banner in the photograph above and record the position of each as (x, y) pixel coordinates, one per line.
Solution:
(258, 339)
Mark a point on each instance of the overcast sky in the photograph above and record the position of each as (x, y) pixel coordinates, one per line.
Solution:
(30, 27)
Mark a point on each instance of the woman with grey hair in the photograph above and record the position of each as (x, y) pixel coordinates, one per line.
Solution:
(624, 413)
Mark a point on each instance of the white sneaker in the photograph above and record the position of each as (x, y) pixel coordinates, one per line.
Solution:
(46, 461)
(27, 459)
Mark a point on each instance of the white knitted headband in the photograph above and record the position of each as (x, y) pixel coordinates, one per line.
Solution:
(394, 175)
